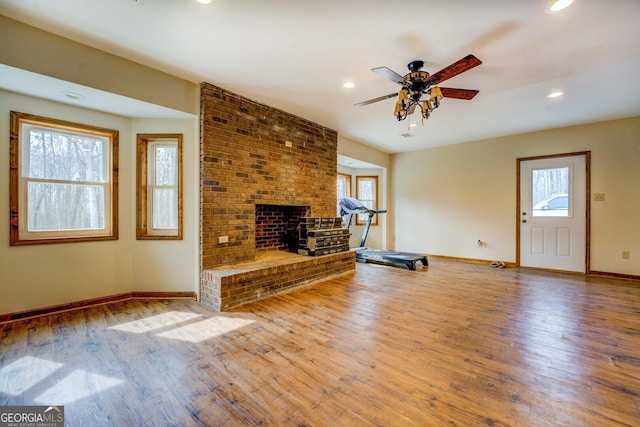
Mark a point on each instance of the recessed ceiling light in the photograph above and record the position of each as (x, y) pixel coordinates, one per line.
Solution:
(73, 95)
(555, 6)
(349, 85)
(556, 94)
(204, 1)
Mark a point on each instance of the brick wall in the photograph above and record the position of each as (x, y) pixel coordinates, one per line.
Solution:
(245, 160)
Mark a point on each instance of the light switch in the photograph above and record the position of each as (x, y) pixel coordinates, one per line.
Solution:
(598, 197)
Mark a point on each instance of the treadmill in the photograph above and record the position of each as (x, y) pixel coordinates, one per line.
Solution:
(349, 207)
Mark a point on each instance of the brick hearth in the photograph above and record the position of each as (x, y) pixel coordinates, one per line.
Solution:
(272, 272)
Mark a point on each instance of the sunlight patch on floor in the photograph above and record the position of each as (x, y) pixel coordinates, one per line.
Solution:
(24, 373)
(205, 329)
(153, 323)
(27, 372)
(75, 386)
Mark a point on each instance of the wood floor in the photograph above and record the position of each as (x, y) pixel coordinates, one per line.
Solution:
(452, 344)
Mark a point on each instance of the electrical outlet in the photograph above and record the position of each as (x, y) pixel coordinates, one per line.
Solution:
(625, 254)
(598, 197)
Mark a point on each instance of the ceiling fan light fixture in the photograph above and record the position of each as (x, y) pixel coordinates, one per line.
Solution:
(402, 105)
(555, 6)
(436, 96)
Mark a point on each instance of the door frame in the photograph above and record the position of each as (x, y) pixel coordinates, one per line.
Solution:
(587, 158)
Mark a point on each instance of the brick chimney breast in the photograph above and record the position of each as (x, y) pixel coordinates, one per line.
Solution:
(252, 154)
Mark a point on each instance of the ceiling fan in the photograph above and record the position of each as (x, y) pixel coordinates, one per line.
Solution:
(417, 83)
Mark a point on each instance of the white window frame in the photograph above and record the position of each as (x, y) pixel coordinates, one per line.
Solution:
(21, 125)
(146, 149)
(361, 219)
(347, 185)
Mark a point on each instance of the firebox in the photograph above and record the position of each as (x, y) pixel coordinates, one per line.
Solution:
(277, 226)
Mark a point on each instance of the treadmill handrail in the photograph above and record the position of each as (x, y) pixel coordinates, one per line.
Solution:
(363, 210)
(358, 209)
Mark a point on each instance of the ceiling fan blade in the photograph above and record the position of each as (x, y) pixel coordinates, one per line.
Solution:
(380, 98)
(389, 74)
(464, 64)
(449, 92)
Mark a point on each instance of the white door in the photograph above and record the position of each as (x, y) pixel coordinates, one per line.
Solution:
(553, 213)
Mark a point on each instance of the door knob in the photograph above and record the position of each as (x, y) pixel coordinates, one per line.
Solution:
(524, 220)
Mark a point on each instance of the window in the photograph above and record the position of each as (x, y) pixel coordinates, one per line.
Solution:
(343, 188)
(550, 191)
(63, 181)
(159, 187)
(367, 193)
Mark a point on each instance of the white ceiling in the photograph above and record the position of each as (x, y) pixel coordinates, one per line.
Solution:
(295, 55)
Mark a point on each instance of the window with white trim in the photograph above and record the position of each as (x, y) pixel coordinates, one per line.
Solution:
(343, 188)
(367, 193)
(63, 181)
(159, 158)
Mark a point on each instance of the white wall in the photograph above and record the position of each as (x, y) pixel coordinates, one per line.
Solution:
(449, 197)
(171, 264)
(43, 275)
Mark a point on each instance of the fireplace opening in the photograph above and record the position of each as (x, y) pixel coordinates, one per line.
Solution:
(277, 226)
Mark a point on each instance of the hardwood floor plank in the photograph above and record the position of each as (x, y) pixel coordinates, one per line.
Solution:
(452, 344)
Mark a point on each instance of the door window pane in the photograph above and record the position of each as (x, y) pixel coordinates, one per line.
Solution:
(550, 192)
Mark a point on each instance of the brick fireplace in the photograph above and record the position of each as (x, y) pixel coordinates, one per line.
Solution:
(254, 156)
(277, 226)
